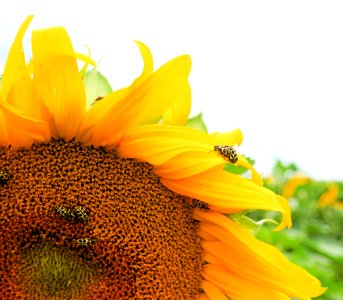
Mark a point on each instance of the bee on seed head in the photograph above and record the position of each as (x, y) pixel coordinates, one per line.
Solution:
(227, 152)
(85, 241)
(65, 213)
(199, 204)
(81, 214)
(4, 176)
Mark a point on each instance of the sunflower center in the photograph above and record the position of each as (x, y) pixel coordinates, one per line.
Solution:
(79, 221)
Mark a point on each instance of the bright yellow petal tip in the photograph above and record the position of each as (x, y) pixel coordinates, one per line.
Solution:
(234, 137)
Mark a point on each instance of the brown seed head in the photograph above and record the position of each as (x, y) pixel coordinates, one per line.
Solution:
(146, 243)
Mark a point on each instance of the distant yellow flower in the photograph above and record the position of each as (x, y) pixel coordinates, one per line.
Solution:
(291, 185)
(108, 203)
(329, 198)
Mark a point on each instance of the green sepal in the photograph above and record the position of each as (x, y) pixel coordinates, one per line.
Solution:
(96, 85)
(197, 122)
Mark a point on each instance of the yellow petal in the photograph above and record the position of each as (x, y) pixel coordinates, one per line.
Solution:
(231, 138)
(235, 137)
(95, 114)
(212, 291)
(85, 58)
(226, 191)
(256, 177)
(248, 253)
(235, 286)
(19, 130)
(17, 86)
(202, 297)
(58, 81)
(157, 144)
(15, 67)
(143, 104)
(179, 111)
(286, 220)
(148, 64)
(245, 266)
(188, 164)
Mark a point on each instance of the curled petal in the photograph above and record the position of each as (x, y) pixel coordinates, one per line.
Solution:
(15, 67)
(84, 58)
(256, 177)
(227, 192)
(148, 68)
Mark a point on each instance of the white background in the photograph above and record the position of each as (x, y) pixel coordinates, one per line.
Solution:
(272, 68)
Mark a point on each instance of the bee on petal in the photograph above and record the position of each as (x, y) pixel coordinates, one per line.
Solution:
(227, 152)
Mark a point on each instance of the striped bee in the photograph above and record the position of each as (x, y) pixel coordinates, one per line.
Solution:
(85, 241)
(81, 214)
(65, 213)
(227, 152)
(199, 204)
(4, 176)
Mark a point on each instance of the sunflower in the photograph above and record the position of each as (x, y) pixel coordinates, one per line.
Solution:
(120, 200)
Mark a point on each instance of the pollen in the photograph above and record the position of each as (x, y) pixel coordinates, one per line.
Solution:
(139, 239)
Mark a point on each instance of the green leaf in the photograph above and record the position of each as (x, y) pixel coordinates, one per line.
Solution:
(96, 85)
(197, 122)
(328, 247)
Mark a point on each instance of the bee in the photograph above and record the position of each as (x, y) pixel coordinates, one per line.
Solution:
(199, 204)
(65, 213)
(227, 152)
(81, 214)
(4, 176)
(85, 241)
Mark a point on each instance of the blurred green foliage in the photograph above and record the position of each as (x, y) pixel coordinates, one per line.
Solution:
(315, 241)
